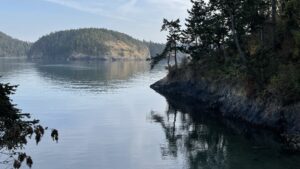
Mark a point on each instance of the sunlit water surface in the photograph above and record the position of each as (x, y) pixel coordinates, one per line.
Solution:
(109, 118)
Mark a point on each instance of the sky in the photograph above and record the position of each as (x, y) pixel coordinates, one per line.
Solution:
(30, 19)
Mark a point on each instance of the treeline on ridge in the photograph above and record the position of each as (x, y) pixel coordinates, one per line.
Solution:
(252, 41)
(90, 41)
(12, 47)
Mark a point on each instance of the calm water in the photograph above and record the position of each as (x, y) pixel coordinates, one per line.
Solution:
(109, 118)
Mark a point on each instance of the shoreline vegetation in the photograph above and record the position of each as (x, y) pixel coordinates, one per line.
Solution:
(243, 59)
(16, 129)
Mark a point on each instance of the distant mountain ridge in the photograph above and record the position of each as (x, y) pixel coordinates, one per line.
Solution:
(92, 44)
(12, 47)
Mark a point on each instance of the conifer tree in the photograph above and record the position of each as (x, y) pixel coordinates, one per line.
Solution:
(174, 36)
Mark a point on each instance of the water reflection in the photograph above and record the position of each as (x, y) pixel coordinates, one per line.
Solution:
(94, 76)
(92, 71)
(193, 132)
(109, 129)
(13, 66)
(202, 146)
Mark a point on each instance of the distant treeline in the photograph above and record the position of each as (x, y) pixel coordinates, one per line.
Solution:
(12, 47)
(154, 48)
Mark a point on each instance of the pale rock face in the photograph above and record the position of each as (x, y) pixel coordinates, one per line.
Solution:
(121, 50)
(117, 51)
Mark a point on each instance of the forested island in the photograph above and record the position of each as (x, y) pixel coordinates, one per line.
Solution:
(89, 44)
(12, 47)
(244, 62)
(81, 44)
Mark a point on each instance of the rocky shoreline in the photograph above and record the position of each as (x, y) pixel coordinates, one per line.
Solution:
(231, 101)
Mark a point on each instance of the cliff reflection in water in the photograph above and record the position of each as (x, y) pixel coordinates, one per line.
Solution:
(91, 75)
(195, 133)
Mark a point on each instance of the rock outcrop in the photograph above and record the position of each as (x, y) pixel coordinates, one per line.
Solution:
(231, 101)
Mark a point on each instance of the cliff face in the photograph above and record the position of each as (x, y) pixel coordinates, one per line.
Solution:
(122, 49)
(231, 101)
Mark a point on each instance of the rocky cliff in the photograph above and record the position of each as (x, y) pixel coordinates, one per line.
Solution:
(230, 99)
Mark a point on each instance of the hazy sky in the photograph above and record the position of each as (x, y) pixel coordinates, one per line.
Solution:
(30, 19)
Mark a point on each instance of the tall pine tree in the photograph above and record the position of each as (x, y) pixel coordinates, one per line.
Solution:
(174, 29)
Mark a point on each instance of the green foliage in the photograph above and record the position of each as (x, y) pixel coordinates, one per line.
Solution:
(7, 108)
(12, 47)
(286, 84)
(90, 41)
(163, 55)
(198, 34)
(261, 67)
(247, 41)
(173, 38)
(293, 13)
(296, 36)
(217, 24)
(16, 129)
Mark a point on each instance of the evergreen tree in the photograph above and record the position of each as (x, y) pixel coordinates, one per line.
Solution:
(174, 36)
(7, 110)
(292, 10)
(16, 129)
(231, 10)
(163, 55)
(274, 11)
(196, 34)
(264, 34)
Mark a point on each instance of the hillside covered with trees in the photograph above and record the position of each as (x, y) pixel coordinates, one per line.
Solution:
(91, 43)
(254, 41)
(12, 47)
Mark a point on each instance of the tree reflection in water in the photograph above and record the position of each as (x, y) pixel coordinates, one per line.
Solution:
(15, 130)
(202, 144)
(198, 135)
(203, 147)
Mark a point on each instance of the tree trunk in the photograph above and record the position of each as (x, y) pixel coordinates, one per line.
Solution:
(262, 36)
(174, 123)
(224, 53)
(169, 60)
(221, 53)
(175, 56)
(236, 39)
(273, 23)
